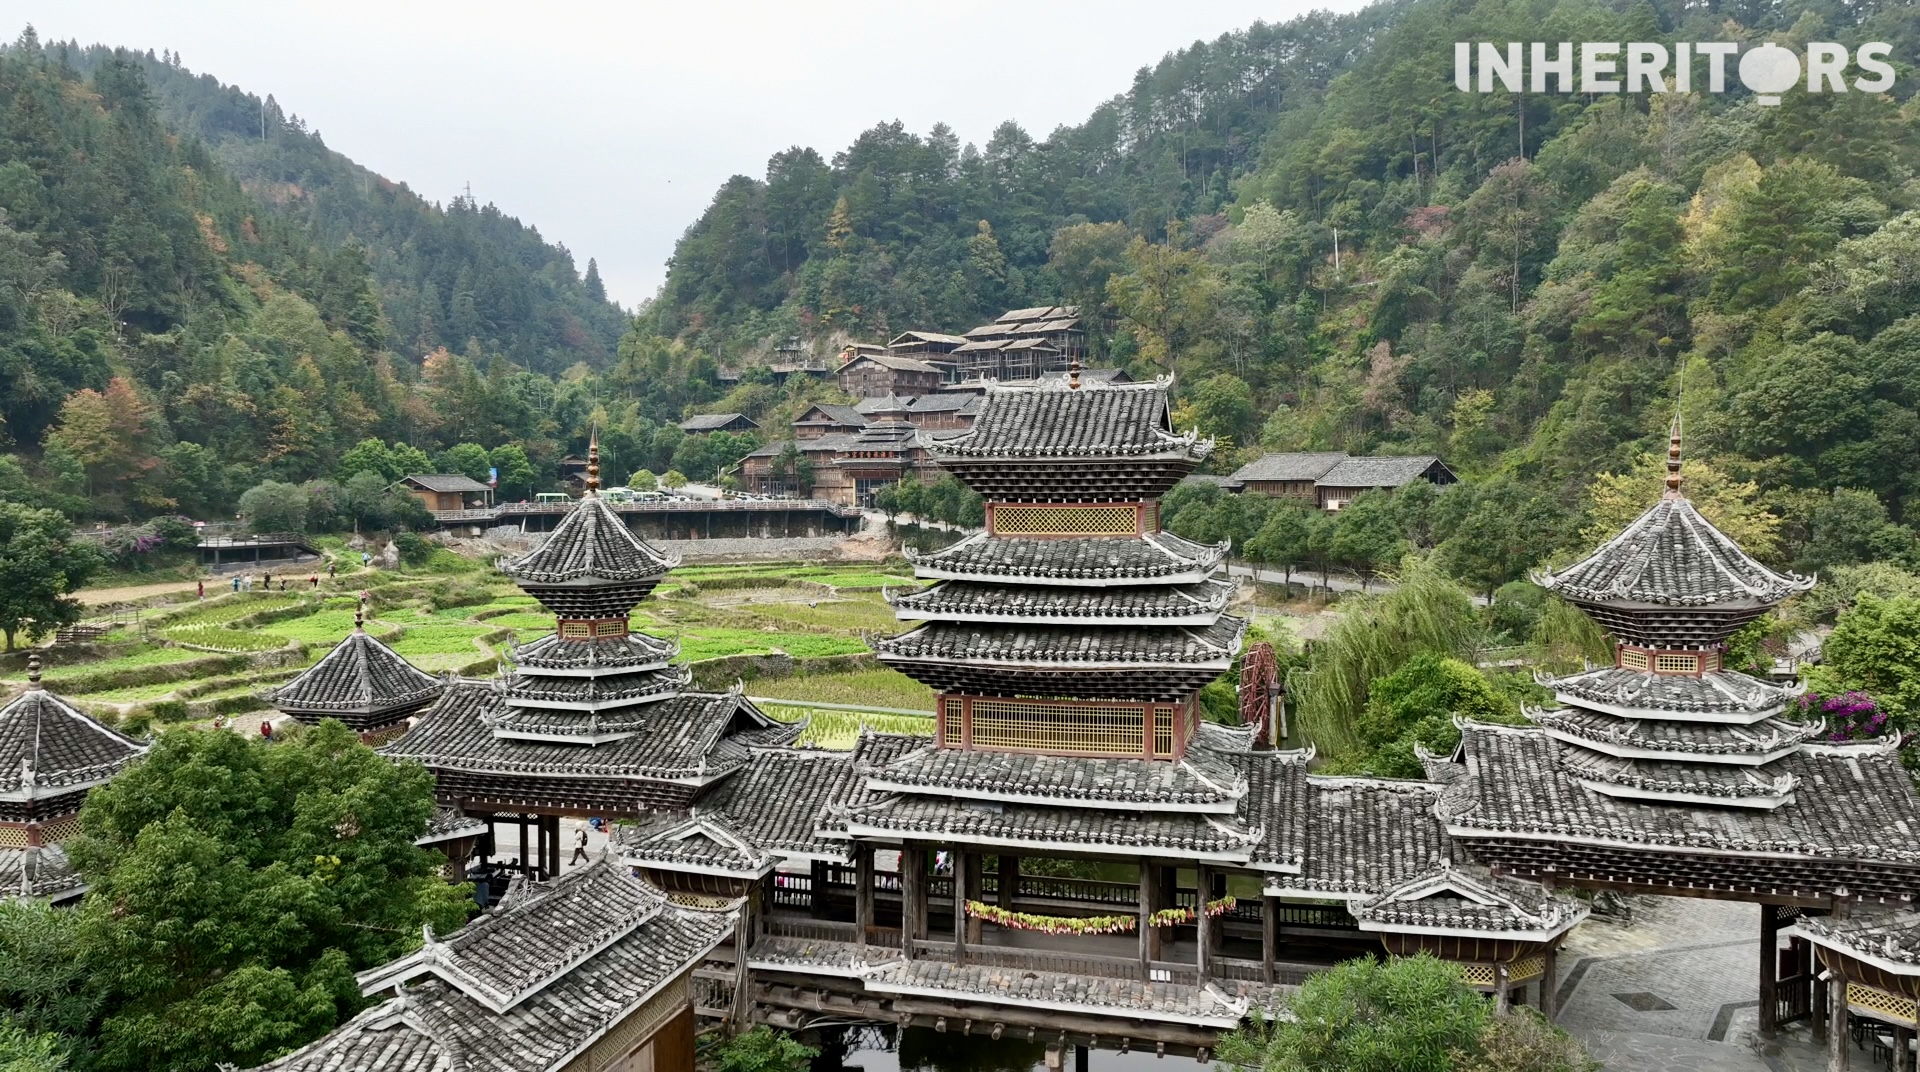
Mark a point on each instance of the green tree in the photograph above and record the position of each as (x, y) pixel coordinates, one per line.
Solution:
(1506, 530)
(22, 1051)
(1875, 647)
(368, 456)
(1403, 1014)
(41, 565)
(1415, 705)
(516, 471)
(673, 479)
(234, 886)
(274, 506)
(643, 480)
(1285, 539)
(467, 459)
(1366, 534)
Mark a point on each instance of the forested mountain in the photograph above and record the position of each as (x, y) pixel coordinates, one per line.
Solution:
(184, 313)
(444, 275)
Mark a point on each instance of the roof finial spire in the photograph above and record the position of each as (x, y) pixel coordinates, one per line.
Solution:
(360, 614)
(1073, 373)
(33, 670)
(1673, 460)
(593, 461)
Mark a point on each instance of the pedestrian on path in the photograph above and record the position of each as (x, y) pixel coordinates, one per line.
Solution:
(313, 582)
(579, 847)
(266, 729)
(236, 582)
(330, 568)
(203, 591)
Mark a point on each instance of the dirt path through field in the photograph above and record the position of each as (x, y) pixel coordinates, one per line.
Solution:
(95, 597)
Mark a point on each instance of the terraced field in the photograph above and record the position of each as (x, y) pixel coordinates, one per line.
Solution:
(458, 615)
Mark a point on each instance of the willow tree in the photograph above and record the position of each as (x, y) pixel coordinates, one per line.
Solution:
(1424, 613)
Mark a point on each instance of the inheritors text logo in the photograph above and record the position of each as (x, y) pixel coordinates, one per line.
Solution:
(1645, 67)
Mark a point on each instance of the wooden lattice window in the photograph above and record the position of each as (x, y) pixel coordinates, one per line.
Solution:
(576, 630)
(1021, 519)
(13, 837)
(1710, 661)
(1031, 725)
(1526, 968)
(1163, 730)
(1150, 517)
(1632, 659)
(1676, 664)
(1882, 1003)
(951, 725)
(1478, 974)
(59, 829)
(612, 627)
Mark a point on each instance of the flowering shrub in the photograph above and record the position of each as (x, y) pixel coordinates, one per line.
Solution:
(1851, 716)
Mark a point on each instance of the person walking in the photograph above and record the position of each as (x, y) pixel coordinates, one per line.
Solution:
(330, 568)
(236, 582)
(579, 848)
(313, 582)
(203, 591)
(266, 729)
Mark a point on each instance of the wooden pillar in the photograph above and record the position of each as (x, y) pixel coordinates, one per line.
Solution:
(1550, 983)
(1839, 1039)
(1149, 942)
(1202, 923)
(862, 892)
(818, 907)
(962, 867)
(1502, 989)
(976, 865)
(1153, 897)
(526, 854)
(1009, 880)
(553, 845)
(1269, 936)
(1769, 969)
(1218, 930)
(742, 940)
(913, 897)
(1903, 1058)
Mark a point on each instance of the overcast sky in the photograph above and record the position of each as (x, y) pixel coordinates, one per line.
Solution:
(609, 126)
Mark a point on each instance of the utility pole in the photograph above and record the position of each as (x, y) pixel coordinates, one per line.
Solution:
(1336, 254)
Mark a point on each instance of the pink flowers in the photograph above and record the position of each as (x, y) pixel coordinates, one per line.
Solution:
(1851, 716)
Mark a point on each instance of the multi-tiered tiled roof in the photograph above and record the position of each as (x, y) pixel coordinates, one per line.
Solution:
(1667, 751)
(558, 966)
(51, 755)
(595, 716)
(1073, 591)
(361, 682)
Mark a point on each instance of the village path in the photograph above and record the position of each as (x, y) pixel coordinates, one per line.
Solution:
(1677, 990)
(96, 597)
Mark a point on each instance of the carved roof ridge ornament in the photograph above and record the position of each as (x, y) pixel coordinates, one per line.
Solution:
(1673, 459)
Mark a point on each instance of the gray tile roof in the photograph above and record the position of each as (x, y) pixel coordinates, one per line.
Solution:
(1726, 692)
(634, 650)
(1159, 557)
(47, 746)
(360, 675)
(710, 422)
(42, 873)
(692, 735)
(973, 601)
(923, 336)
(1053, 421)
(1732, 785)
(1886, 935)
(1361, 836)
(1084, 646)
(1469, 898)
(1221, 1004)
(892, 361)
(447, 824)
(1289, 466)
(1378, 472)
(775, 807)
(534, 952)
(1672, 557)
(942, 402)
(1853, 802)
(1186, 835)
(446, 482)
(1201, 781)
(599, 691)
(841, 414)
(1681, 738)
(591, 541)
(697, 842)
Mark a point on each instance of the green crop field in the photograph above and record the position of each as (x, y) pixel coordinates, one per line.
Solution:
(840, 730)
(868, 688)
